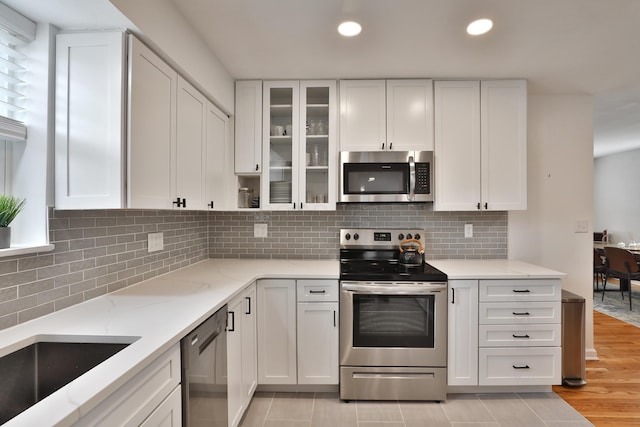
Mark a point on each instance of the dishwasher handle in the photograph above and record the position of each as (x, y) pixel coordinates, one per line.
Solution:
(207, 340)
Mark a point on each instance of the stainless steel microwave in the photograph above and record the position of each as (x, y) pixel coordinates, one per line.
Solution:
(386, 176)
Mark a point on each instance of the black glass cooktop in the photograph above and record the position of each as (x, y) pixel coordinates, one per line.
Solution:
(362, 265)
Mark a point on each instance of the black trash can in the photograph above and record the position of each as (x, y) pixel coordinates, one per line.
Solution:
(574, 369)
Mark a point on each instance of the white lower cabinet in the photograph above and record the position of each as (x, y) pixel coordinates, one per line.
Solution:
(149, 396)
(241, 354)
(169, 413)
(318, 332)
(520, 366)
(462, 367)
(277, 331)
(519, 332)
(298, 331)
(504, 332)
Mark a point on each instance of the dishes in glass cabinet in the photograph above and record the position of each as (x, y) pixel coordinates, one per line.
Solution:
(280, 191)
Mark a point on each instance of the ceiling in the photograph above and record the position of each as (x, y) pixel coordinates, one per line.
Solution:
(565, 47)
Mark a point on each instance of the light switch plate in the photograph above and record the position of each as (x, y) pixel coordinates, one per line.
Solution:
(468, 230)
(581, 226)
(260, 230)
(155, 242)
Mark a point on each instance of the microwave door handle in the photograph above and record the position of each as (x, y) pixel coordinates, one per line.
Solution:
(412, 178)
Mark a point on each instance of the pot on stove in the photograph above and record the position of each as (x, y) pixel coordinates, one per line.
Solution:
(411, 252)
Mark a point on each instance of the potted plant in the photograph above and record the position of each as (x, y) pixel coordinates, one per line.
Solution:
(10, 207)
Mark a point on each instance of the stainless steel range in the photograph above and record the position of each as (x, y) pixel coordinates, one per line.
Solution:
(393, 318)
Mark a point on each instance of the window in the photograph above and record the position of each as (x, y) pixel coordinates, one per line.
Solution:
(15, 31)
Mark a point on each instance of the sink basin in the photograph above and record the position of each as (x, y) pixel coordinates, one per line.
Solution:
(48, 362)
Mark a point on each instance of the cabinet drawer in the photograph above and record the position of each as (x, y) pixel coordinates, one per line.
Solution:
(519, 290)
(520, 366)
(546, 334)
(140, 396)
(504, 313)
(317, 290)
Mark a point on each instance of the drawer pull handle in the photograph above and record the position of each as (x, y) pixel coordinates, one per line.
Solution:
(526, 313)
(521, 367)
(521, 291)
(521, 336)
(317, 292)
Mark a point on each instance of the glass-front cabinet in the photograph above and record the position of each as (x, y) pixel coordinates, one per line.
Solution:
(300, 150)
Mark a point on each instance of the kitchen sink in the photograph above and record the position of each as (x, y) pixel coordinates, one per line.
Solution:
(48, 362)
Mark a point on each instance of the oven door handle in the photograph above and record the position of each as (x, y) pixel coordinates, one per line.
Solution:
(385, 289)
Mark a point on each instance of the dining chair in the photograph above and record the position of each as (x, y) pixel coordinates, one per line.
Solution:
(599, 267)
(622, 265)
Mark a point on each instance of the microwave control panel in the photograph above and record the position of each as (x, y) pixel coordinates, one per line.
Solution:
(423, 178)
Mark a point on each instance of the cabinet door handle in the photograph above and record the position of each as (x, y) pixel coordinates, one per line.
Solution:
(334, 318)
(257, 167)
(249, 305)
(391, 146)
(486, 205)
(181, 203)
(301, 205)
(521, 336)
(311, 291)
(521, 367)
(382, 146)
(453, 295)
(521, 291)
(233, 321)
(211, 204)
(526, 313)
(478, 205)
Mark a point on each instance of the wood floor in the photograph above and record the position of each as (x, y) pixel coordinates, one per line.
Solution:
(612, 394)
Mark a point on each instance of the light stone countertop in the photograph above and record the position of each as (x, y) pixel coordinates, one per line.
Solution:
(493, 269)
(163, 310)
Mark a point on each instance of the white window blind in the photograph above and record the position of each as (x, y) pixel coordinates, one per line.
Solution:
(15, 31)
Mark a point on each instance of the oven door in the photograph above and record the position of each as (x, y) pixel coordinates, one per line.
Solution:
(393, 324)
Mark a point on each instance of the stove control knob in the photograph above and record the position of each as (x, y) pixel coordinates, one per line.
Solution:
(356, 236)
(409, 236)
(417, 237)
(347, 236)
(400, 236)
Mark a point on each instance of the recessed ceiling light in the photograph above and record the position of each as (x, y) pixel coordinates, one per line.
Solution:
(479, 26)
(349, 28)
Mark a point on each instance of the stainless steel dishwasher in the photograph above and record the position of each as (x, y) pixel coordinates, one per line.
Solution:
(204, 373)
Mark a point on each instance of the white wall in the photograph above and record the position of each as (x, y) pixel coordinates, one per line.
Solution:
(616, 190)
(166, 31)
(560, 187)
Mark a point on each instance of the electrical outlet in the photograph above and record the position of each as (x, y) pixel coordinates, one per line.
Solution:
(155, 242)
(468, 230)
(260, 230)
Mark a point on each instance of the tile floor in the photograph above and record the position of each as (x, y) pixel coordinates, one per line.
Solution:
(460, 410)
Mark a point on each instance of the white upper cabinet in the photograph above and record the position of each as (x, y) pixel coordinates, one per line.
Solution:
(362, 115)
(299, 153)
(480, 145)
(457, 145)
(410, 115)
(191, 145)
(248, 127)
(90, 125)
(200, 154)
(172, 151)
(503, 124)
(318, 148)
(152, 129)
(386, 115)
(216, 186)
